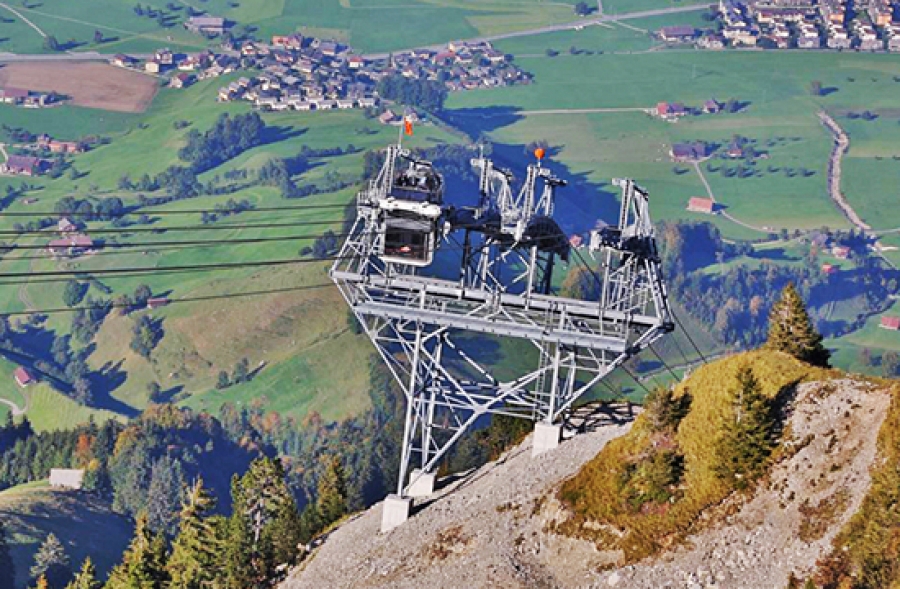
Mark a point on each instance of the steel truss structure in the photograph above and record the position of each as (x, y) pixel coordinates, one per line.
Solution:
(423, 323)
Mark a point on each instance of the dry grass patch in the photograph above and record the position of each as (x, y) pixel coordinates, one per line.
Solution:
(88, 84)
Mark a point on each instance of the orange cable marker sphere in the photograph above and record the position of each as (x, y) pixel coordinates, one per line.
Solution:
(539, 153)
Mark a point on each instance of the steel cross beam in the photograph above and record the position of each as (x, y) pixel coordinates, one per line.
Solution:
(423, 326)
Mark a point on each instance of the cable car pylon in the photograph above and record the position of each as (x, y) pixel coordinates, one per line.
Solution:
(425, 278)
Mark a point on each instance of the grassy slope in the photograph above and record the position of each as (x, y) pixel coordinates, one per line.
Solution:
(84, 524)
(593, 493)
(301, 336)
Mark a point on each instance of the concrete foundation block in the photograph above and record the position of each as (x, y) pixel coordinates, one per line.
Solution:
(394, 511)
(546, 437)
(421, 484)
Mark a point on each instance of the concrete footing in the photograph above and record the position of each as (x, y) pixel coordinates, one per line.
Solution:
(546, 437)
(394, 511)
(421, 483)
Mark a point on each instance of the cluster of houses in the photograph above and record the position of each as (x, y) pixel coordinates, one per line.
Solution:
(866, 25)
(672, 111)
(72, 241)
(300, 73)
(182, 70)
(27, 98)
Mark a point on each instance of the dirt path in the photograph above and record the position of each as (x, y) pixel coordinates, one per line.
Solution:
(725, 214)
(16, 410)
(841, 145)
(582, 111)
(23, 19)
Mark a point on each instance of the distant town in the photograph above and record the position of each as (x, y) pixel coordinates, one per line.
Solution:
(864, 25)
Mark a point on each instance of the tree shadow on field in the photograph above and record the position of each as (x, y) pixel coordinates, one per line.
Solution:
(276, 134)
(475, 122)
(104, 382)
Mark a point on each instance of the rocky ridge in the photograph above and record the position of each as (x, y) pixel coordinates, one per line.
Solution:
(491, 528)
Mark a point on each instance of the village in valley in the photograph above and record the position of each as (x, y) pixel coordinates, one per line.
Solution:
(865, 25)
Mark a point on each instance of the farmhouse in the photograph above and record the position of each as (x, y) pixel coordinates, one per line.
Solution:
(22, 165)
(14, 95)
(23, 377)
(678, 33)
(712, 106)
(122, 60)
(71, 246)
(157, 302)
(701, 205)
(841, 252)
(688, 152)
(181, 80)
(65, 226)
(388, 117)
(829, 269)
(670, 110)
(67, 478)
(892, 323)
(207, 25)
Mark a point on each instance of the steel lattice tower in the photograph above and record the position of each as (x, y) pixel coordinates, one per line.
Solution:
(501, 256)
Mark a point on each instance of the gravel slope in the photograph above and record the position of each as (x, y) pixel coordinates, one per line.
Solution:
(487, 529)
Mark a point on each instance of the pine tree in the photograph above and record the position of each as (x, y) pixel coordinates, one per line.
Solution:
(196, 548)
(264, 525)
(52, 562)
(166, 482)
(238, 553)
(792, 331)
(332, 492)
(86, 578)
(143, 564)
(748, 437)
(7, 569)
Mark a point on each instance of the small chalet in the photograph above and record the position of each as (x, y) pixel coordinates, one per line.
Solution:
(152, 66)
(21, 165)
(67, 478)
(23, 377)
(678, 33)
(829, 269)
(688, 152)
(701, 205)
(157, 302)
(712, 106)
(71, 246)
(670, 110)
(122, 60)
(181, 80)
(575, 240)
(66, 226)
(387, 117)
(892, 323)
(841, 252)
(735, 151)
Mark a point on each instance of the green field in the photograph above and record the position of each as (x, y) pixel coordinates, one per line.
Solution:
(369, 25)
(609, 71)
(85, 525)
(298, 337)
